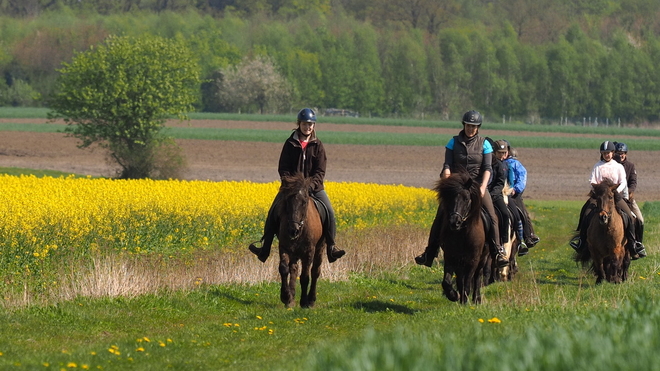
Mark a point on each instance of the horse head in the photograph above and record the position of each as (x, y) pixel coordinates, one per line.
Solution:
(605, 195)
(295, 196)
(460, 195)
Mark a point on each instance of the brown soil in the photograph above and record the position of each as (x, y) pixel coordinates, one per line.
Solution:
(553, 174)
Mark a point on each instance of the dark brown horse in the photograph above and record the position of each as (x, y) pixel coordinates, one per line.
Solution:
(606, 239)
(300, 239)
(462, 237)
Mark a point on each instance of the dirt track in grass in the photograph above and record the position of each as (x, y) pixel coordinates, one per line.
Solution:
(553, 174)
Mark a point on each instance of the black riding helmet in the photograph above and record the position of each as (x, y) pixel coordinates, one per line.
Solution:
(472, 118)
(306, 115)
(621, 147)
(607, 146)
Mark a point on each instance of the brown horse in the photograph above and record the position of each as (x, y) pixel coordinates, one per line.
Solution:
(300, 234)
(606, 238)
(462, 237)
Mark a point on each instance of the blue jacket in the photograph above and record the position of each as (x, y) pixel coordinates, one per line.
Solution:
(517, 175)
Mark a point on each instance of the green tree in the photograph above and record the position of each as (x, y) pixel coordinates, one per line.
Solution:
(119, 94)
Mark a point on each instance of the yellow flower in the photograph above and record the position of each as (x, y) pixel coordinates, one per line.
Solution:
(481, 320)
(494, 320)
(71, 365)
(140, 349)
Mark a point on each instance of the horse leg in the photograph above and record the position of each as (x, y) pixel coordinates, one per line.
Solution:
(447, 287)
(316, 273)
(286, 295)
(294, 270)
(462, 286)
(304, 283)
(599, 270)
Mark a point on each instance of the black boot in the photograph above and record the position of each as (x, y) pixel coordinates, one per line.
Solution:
(498, 255)
(334, 253)
(262, 252)
(426, 258)
(522, 249)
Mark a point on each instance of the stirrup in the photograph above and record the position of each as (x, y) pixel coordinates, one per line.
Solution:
(640, 250)
(575, 243)
(523, 249)
(500, 261)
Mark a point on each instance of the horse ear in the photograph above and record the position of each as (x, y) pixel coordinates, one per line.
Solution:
(615, 186)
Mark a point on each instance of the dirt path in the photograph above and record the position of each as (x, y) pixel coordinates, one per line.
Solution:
(553, 174)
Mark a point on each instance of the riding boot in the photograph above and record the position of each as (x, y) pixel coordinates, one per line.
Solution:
(334, 253)
(433, 247)
(498, 254)
(262, 252)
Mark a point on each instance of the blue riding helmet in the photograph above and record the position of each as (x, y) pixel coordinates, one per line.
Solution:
(621, 147)
(306, 115)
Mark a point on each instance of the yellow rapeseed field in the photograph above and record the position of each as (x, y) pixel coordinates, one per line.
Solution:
(69, 217)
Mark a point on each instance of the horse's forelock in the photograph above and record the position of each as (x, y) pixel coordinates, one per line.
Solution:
(293, 183)
(455, 184)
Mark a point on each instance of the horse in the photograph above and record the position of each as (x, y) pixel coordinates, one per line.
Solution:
(606, 239)
(300, 234)
(462, 237)
(491, 272)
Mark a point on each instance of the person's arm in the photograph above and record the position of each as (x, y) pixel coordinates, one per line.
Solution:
(521, 178)
(484, 182)
(288, 160)
(632, 180)
(449, 160)
(317, 174)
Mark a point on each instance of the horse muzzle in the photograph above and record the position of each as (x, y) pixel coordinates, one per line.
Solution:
(604, 218)
(295, 229)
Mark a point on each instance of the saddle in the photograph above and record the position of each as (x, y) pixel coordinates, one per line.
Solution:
(323, 211)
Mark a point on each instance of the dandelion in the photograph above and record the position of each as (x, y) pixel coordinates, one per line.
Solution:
(494, 320)
(481, 320)
(71, 365)
(140, 349)
(161, 344)
(259, 317)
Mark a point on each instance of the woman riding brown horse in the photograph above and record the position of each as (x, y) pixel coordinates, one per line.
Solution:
(606, 237)
(462, 237)
(300, 231)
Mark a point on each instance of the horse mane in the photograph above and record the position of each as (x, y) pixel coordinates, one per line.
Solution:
(603, 187)
(584, 256)
(457, 182)
(291, 184)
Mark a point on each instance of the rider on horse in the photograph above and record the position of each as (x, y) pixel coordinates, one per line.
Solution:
(302, 153)
(614, 171)
(621, 156)
(470, 151)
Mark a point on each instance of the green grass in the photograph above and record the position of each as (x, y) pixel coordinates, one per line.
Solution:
(17, 171)
(552, 317)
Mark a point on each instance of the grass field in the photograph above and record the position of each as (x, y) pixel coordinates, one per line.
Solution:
(376, 309)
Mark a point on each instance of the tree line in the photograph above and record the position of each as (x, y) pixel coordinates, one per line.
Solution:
(572, 60)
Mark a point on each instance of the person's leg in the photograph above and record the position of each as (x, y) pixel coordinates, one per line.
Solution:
(270, 229)
(579, 242)
(333, 252)
(639, 222)
(517, 225)
(497, 252)
(635, 247)
(433, 247)
(502, 212)
(530, 237)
